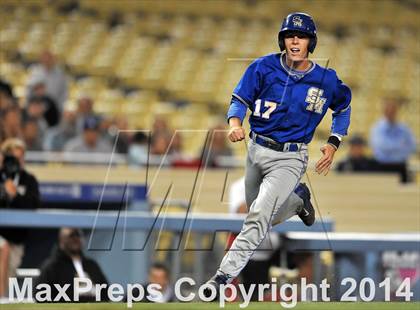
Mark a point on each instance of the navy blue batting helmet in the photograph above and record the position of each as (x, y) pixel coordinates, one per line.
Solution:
(300, 22)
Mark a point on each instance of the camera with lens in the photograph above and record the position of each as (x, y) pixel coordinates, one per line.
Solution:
(10, 168)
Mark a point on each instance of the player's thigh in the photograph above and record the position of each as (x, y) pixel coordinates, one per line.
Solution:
(276, 186)
(253, 179)
(279, 181)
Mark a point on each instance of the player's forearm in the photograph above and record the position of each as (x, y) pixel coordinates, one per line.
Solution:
(236, 110)
(235, 122)
(341, 122)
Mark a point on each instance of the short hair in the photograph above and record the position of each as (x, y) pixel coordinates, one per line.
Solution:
(399, 101)
(62, 229)
(11, 109)
(160, 266)
(28, 119)
(10, 144)
(140, 137)
(357, 140)
(37, 99)
(6, 88)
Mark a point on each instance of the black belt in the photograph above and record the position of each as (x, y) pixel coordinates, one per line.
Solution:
(276, 146)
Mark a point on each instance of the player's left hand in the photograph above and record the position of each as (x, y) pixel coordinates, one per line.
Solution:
(324, 164)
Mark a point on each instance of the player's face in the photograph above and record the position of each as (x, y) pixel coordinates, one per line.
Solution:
(296, 45)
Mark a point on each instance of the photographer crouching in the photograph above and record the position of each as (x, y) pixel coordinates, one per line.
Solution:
(18, 190)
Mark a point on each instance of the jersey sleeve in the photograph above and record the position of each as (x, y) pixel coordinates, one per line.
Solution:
(236, 109)
(341, 109)
(249, 86)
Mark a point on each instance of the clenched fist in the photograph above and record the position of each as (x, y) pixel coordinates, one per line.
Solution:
(236, 134)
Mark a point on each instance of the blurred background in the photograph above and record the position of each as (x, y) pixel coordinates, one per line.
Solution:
(150, 82)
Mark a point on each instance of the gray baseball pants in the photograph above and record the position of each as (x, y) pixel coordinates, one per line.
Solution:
(270, 180)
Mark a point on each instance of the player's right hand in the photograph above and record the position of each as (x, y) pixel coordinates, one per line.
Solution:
(236, 133)
(10, 188)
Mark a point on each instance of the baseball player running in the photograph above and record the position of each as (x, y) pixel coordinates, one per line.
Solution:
(288, 95)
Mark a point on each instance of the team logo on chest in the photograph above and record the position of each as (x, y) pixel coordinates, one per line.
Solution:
(315, 100)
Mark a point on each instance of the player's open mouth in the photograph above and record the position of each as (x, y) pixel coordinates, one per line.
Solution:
(295, 50)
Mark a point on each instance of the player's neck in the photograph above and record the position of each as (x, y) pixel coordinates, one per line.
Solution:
(302, 65)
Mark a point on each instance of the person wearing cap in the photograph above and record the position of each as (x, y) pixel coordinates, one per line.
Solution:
(90, 141)
(357, 160)
(68, 262)
(288, 94)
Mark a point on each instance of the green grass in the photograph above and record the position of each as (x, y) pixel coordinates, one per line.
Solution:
(214, 306)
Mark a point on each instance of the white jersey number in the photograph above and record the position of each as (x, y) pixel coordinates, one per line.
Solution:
(268, 104)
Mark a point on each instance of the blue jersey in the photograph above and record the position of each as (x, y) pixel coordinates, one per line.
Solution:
(288, 105)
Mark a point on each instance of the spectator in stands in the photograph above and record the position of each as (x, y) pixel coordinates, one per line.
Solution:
(118, 127)
(392, 142)
(84, 110)
(35, 110)
(160, 127)
(54, 77)
(357, 160)
(68, 262)
(160, 144)
(57, 137)
(257, 270)
(6, 96)
(90, 141)
(11, 123)
(161, 135)
(159, 274)
(38, 93)
(217, 146)
(7, 102)
(138, 149)
(18, 190)
(31, 134)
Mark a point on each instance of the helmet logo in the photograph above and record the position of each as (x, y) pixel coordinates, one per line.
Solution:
(297, 21)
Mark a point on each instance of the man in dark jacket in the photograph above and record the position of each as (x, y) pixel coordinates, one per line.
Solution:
(357, 160)
(66, 263)
(18, 190)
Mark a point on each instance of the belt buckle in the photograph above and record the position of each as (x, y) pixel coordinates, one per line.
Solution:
(270, 144)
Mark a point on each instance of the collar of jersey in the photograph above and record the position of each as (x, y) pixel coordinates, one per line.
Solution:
(295, 72)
